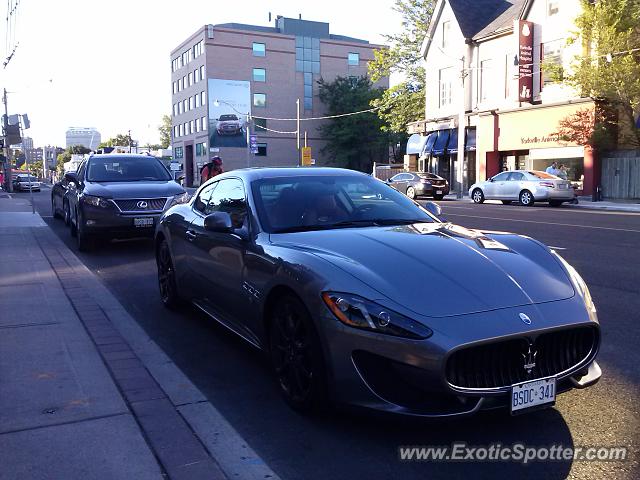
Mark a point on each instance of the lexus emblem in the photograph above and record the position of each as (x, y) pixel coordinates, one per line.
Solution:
(525, 318)
(142, 205)
(530, 359)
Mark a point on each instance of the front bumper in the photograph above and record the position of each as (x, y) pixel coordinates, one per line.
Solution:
(229, 131)
(403, 376)
(111, 223)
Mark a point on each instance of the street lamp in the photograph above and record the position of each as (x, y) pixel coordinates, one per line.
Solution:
(216, 103)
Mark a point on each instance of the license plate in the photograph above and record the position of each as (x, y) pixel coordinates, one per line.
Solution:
(438, 192)
(143, 222)
(533, 394)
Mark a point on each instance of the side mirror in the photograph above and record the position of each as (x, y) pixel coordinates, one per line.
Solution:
(71, 177)
(433, 208)
(219, 222)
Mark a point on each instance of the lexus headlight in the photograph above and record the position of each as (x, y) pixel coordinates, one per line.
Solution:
(360, 313)
(578, 283)
(178, 199)
(96, 201)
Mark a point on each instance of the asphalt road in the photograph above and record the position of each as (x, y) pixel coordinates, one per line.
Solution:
(603, 246)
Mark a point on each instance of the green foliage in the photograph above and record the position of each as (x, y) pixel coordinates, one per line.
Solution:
(355, 141)
(61, 160)
(35, 168)
(119, 140)
(78, 150)
(404, 103)
(610, 30)
(165, 131)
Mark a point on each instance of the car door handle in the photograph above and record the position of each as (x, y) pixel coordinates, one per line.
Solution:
(191, 235)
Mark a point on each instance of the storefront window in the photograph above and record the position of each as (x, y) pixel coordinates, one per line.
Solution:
(573, 166)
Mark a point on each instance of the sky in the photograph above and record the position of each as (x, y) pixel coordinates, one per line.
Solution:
(106, 64)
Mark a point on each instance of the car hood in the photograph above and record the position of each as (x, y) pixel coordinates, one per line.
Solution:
(133, 189)
(440, 270)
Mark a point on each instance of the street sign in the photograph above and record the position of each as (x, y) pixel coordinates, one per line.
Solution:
(306, 156)
(253, 143)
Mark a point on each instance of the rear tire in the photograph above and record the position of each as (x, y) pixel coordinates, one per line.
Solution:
(66, 214)
(167, 277)
(477, 196)
(411, 193)
(526, 198)
(296, 356)
(54, 211)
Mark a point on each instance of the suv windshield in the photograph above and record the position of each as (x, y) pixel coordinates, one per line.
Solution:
(300, 203)
(126, 169)
(226, 118)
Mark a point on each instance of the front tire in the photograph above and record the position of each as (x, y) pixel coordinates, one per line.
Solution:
(477, 196)
(526, 198)
(167, 277)
(83, 239)
(411, 193)
(438, 197)
(296, 356)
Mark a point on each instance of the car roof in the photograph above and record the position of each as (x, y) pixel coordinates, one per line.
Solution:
(258, 173)
(104, 156)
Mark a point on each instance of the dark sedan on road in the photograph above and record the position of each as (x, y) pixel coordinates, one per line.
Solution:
(418, 184)
(119, 196)
(360, 296)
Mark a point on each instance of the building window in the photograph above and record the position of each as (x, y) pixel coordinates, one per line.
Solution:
(197, 97)
(202, 72)
(259, 75)
(190, 78)
(179, 108)
(196, 75)
(262, 150)
(179, 84)
(178, 152)
(203, 98)
(181, 130)
(353, 58)
(175, 88)
(308, 103)
(259, 49)
(185, 105)
(553, 7)
(176, 132)
(204, 123)
(308, 54)
(487, 80)
(260, 124)
(446, 81)
(197, 122)
(446, 27)
(184, 82)
(259, 100)
(551, 58)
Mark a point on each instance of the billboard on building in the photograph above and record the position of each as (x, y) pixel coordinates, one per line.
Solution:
(525, 60)
(229, 104)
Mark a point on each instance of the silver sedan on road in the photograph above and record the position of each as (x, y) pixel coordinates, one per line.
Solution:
(524, 186)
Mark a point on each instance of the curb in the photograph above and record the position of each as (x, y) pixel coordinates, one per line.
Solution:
(189, 436)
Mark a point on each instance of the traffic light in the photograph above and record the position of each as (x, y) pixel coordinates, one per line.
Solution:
(25, 121)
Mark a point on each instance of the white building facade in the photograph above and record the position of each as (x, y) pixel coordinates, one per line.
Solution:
(512, 107)
(87, 137)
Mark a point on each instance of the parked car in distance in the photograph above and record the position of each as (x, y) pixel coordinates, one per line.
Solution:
(119, 196)
(360, 296)
(419, 184)
(525, 187)
(229, 124)
(59, 202)
(24, 181)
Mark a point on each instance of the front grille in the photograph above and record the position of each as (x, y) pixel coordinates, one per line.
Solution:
(131, 205)
(502, 364)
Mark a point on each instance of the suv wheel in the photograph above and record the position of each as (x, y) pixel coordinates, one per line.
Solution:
(84, 240)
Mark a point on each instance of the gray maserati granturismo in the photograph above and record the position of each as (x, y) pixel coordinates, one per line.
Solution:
(360, 296)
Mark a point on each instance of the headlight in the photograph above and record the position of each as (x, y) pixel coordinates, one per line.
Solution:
(360, 313)
(178, 199)
(96, 201)
(578, 283)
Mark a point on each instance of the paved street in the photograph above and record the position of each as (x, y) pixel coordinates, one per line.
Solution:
(603, 246)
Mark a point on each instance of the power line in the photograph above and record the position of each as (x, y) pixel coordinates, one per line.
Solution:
(322, 118)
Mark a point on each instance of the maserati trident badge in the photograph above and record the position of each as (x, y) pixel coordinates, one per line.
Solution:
(530, 359)
(525, 318)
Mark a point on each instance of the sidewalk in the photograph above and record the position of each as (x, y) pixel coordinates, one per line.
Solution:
(84, 393)
(584, 203)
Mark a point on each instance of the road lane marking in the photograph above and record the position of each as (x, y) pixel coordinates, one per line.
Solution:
(556, 248)
(547, 223)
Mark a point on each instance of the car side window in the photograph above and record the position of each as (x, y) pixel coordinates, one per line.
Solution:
(202, 200)
(501, 177)
(516, 177)
(229, 197)
(81, 170)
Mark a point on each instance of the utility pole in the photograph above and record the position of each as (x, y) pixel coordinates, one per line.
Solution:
(7, 161)
(248, 139)
(461, 131)
(298, 130)
(129, 133)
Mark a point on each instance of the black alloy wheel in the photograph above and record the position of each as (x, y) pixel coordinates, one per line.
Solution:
(167, 277)
(296, 356)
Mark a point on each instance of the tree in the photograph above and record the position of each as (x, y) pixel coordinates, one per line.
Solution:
(610, 30)
(78, 150)
(588, 126)
(165, 131)
(403, 103)
(35, 168)
(119, 140)
(354, 141)
(61, 160)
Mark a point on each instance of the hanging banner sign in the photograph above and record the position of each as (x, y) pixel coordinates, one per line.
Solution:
(525, 61)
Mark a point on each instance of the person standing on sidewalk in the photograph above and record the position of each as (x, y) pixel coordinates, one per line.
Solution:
(211, 169)
(552, 169)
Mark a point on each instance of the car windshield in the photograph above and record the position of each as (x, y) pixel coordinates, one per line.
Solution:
(225, 118)
(543, 175)
(27, 178)
(126, 169)
(300, 203)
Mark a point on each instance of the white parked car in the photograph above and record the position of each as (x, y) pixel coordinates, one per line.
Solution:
(24, 181)
(524, 186)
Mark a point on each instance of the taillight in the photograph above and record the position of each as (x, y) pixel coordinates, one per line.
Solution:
(547, 184)
(425, 181)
